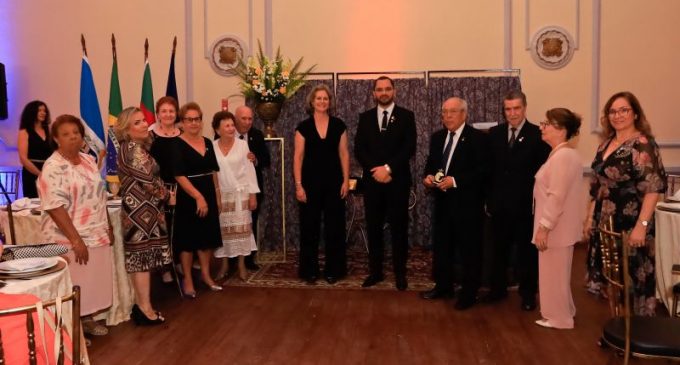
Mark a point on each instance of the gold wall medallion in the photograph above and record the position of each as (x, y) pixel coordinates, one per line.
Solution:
(552, 47)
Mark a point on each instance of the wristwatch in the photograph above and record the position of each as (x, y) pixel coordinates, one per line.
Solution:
(644, 223)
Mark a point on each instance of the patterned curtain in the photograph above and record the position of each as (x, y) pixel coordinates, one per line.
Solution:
(483, 94)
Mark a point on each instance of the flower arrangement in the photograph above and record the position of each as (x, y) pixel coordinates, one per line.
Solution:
(270, 80)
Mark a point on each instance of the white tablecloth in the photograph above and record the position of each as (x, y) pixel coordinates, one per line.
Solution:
(27, 230)
(667, 252)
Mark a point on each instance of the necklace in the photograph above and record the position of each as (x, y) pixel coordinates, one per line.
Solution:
(164, 133)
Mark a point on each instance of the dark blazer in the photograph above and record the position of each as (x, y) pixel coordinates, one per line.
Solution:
(257, 146)
(394, 147)
(468, 166)
(512, 170)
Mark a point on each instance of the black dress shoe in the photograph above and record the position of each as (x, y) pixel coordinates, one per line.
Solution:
(331, 279)
(528, 304)
(464, 303)
(401, 283)
(141, 319)
(372, 280)
(436, 293)
(495, 296)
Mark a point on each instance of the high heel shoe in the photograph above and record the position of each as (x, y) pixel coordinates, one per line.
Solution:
(188, 294)
(141, 319)
(213, 286)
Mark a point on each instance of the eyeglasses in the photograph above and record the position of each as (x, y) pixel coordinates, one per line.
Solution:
(546, 123)
(192, 120)
(621, 111)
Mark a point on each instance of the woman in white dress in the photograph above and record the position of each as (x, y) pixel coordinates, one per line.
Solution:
(238, 186)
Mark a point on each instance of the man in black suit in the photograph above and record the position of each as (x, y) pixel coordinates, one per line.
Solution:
(259, 156)
(455, 173)
(517, 152)
(384, 144)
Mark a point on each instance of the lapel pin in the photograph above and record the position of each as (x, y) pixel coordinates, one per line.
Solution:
(520, 139)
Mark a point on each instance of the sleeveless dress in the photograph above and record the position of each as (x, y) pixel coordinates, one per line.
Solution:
(39, 150)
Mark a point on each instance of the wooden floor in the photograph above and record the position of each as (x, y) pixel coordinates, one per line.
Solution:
(244, 325)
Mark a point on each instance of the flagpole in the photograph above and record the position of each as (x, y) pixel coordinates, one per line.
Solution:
(113, 47)
(146, 49)
(82, 42)
(174, 46)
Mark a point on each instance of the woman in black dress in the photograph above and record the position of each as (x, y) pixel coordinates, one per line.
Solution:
(33, 144)
(164, 134)
(321, 170)
(198, 199)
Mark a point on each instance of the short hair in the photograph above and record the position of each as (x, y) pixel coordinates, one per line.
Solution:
(187, 107)
(516, 94)
(219, 117)
(641, 122)
(309, 105)
(463, 103)
(62, 120)
(123, 124)
(565, 119)
(375, 82)
(167, 100)
(30, 115)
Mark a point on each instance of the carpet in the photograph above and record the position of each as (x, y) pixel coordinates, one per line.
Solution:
(284, 274)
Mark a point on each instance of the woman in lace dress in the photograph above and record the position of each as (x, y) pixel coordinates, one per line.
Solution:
(238, 188)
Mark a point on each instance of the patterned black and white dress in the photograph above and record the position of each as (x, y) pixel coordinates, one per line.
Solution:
(145, 236)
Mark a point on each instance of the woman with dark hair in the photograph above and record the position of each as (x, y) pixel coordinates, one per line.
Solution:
(198, 199)
(145, 236)
(321, 171)
(628, 177)
(238, 188)
(558, 213)
(73, 201)
(33, 144)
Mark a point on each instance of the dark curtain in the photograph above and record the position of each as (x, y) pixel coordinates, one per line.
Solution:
(353, 96)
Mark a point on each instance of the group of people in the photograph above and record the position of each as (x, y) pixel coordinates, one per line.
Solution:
(525, 177)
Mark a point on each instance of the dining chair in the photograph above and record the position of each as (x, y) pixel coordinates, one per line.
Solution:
(74, 298)
(673, 184)
(10, 181)
(644, 337)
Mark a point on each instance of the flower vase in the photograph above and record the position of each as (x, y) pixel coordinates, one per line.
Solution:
(269, 112)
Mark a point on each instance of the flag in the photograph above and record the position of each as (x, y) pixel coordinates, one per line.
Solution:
(171, 88)
(115, 107)
(146, 105)
(90, 112)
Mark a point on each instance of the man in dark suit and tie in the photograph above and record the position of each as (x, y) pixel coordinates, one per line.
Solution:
(455, 173)
(517, 152)
(259, 156)
(384, 144)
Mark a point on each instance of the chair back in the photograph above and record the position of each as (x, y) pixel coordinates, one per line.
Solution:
(10, 181)
(614, 247)
(73, 297)
(673, 185)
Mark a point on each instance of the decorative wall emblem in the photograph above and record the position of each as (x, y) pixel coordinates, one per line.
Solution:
(552, 47)
(225, 52)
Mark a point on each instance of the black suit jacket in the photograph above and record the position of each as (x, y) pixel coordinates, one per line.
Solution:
(258, 147)
(394, 147)
(469, 168)
(512, 180)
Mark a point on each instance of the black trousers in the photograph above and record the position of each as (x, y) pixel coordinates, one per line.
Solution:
(387, 203)
(513, 229)
(324, 202)
(457, 228)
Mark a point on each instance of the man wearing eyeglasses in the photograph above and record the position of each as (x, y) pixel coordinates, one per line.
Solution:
(455, 174)
(517, 152)
(384, 144)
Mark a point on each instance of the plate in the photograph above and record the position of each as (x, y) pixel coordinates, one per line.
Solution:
(27, 265)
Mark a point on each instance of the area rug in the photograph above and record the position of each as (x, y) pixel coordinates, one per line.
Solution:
(284, 274)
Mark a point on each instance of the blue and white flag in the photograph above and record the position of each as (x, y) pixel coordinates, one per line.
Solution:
(90, 112)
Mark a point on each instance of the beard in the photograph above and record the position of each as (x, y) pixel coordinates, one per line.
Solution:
(385, 100)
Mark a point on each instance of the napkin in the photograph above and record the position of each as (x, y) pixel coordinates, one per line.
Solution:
(23, 264)
(23, 203)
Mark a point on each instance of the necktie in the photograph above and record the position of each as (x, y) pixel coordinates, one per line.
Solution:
(511, 142)
(240, 136)
(383, 125)
(447, 151)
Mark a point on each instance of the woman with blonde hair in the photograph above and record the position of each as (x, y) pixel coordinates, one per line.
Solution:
(145, 234)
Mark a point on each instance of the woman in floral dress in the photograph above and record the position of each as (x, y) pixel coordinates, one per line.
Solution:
(628, 177)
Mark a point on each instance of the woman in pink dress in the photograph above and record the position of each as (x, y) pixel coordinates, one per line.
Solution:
(558, 216)
(73, 200)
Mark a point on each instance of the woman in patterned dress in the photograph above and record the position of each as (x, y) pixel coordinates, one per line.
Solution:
(238, 188)
(73, 201)
(145, 234)
(628, 177)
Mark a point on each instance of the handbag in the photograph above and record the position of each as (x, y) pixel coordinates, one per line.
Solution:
(13, 252)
